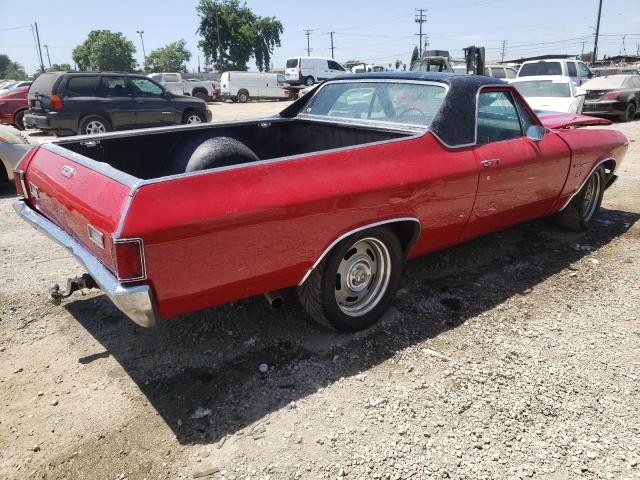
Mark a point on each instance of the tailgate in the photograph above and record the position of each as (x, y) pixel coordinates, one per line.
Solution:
(84, 203)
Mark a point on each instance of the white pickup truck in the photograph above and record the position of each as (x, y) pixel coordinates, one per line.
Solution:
(175, 84)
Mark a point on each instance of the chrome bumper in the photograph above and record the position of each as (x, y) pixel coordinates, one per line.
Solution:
(135, 302)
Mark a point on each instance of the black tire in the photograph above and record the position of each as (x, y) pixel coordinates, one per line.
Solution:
(18, 119)
(243, 96)
(630, 113)
(581, 213)
(308, 81)
(219, 152)
(192, 117)
(93, 125)
(201, 95)
(318, 293)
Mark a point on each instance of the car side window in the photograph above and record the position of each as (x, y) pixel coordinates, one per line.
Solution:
(525, 118)
(497, 118)
(334, 65)
(571, 66)
(583, 70)
(82, 86)
(144, 87)
(114, 87)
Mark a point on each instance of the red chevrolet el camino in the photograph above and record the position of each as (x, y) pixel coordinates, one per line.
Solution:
(332, 195)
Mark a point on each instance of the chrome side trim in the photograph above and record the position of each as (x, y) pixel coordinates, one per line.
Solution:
(587, 177)
(135, 302)
(356, 230)
(143, 262)
(23, 184)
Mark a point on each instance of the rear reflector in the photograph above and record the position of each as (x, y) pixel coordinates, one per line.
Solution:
(128, 259)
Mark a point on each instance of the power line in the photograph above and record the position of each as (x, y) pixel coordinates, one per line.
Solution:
(420, 18)
(308, 33)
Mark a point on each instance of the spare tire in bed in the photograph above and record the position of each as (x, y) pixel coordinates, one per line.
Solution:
(219, 152)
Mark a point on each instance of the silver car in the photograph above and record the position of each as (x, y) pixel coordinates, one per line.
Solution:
(13, 145)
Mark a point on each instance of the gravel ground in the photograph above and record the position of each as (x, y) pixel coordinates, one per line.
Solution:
(513, 356)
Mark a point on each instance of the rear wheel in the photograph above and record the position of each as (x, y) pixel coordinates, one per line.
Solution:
(581, 212)
(355, 284)
(630, 113)
(18, 119)
(309, 81)
(94, 125)
(243, 96)
(193, 117)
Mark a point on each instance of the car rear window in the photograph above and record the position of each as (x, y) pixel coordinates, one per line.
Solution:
(292, 63)
(44, 83)
(82, 85)
(540, 68)
(543, 88)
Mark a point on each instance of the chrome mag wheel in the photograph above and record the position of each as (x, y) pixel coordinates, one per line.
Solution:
(591, 196)
(362, 277)
(94, 127)
(193, 118)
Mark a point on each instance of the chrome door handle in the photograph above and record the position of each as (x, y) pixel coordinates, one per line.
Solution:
(488, 163)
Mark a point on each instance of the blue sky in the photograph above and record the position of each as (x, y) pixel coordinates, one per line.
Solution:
(376, 31)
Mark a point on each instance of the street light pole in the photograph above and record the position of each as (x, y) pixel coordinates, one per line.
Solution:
(144, 55)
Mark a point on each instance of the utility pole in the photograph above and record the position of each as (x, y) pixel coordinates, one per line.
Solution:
(420, 18)
(624, 47)
(332, 47)
(582, 54)
(39, 48)
(144, 54)
(595, 43)
(504, 45)
(46, 47)
(308, 33)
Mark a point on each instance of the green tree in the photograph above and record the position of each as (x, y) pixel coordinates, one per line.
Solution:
(232, 34)
(10, 69)
(414, 56)
(170, 58)
(105, 50)
(59, 67)
(398, 64)
(586, 57)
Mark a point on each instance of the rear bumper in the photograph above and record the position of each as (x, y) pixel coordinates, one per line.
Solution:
(52, 121)
(135, 302)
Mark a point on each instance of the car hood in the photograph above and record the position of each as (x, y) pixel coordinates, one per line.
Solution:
(567, 120)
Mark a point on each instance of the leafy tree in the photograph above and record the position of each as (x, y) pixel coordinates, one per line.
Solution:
(10, 69)
(414, 56)
(105, 50)
(59, 67)
(232, 34)
(170, 58)
(586, 57)
(398, 64)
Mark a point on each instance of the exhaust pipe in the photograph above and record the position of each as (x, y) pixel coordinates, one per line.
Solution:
(274, 299)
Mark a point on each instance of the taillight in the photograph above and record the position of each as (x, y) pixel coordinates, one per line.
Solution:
(612, 96)
(21, 187)
(55, 102)
(128, 259)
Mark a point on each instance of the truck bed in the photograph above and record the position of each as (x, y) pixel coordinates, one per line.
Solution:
(155, 153)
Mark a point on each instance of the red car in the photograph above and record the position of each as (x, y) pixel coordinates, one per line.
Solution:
(331, 196)
(13, 106)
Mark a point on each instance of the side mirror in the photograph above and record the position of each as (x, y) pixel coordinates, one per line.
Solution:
(536, 132)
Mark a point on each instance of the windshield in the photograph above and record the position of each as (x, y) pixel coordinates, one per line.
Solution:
(543, 88)
(540, 68)
(394, 102)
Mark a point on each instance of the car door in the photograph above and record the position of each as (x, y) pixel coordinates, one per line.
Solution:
(584, 73)
(321, 67)
(335, 68)
(117, 100)
(519, 177)
(153, 106)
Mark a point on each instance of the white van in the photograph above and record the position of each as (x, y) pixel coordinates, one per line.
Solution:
(310, 70)
(242, 86)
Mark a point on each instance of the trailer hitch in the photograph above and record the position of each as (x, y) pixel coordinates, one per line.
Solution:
(73, 285)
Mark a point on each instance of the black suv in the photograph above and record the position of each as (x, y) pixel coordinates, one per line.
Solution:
(97, 102)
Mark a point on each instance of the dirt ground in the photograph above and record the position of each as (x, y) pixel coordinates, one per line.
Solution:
(513, 356)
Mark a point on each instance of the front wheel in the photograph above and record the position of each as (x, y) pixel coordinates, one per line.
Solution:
(309, 81)
(630, 113)
(93, 125)
(580, 214)
(193, 117)
(18, 120)
(355, 284)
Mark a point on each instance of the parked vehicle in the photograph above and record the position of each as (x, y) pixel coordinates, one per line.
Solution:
(174, 83)
(500, 71)
(243, 86)
(458, 66)
(604, 72)
(617, 95)
(310, 70)
(92, 103)
(432, 64)
(13, 105)
(551, 93)
(13, 145)
(577, 70)
(330, 196)
(366, 67)
(14, 85)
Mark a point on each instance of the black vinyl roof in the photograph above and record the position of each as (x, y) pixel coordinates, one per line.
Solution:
(455, 123)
